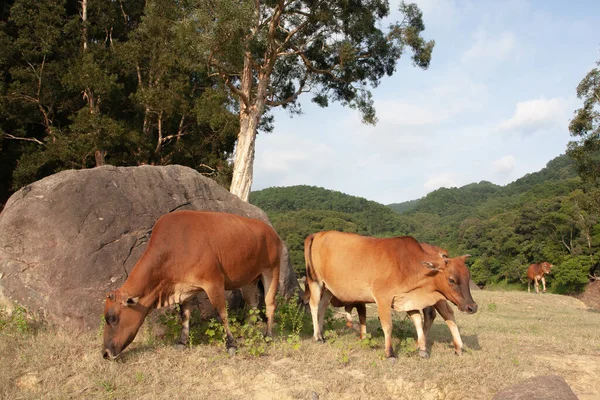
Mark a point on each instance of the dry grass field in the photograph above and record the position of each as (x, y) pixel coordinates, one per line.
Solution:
(513, 336)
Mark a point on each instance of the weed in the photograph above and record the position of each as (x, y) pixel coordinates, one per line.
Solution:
(290, 315)
(215, 332)
(16, 322)
(101, 326)
(344, 356)
(368, 342)
(331, 336)
(492, 307)
(172, 322)
(408, 346)
(108, 386)
(139, 377)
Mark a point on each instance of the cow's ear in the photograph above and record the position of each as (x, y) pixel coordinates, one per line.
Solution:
(433, 266)
(131, 301)
(464, 258)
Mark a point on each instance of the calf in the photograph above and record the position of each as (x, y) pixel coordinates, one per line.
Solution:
(536, 272)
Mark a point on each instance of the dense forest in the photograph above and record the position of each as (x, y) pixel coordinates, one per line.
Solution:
(541, 216)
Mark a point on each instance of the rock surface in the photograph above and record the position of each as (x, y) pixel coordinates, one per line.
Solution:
(69, 238)
(548, 387)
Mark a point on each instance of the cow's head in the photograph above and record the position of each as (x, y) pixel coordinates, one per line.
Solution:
(452, 280)
(123, 316)
(546, 267)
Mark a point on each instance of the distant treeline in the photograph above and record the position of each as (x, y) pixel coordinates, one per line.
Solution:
(542, 216)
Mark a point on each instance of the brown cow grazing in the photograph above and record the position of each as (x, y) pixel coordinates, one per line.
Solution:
(191, 251)
(536, 272)
(393, 273)
(429, 313)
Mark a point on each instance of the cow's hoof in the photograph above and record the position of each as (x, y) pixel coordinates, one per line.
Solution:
(320, 340)
(181, 346)
(392, 360)
(231, 351)
(458, 353)
(423, 354)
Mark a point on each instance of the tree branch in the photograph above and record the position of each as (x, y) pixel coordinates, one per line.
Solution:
(291, 98)
(9, 136)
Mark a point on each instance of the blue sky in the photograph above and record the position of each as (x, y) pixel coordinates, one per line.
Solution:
(494, 105)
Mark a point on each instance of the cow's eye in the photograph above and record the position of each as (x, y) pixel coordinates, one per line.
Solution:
(452, 281)
(111, 319)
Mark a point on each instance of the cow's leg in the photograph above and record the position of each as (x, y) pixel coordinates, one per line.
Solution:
(537, 285)
(528, 285)
(323, 303)
(447, 313)
(349, 321)
(216, 295)
(315, 299)
(429, 315)
(384, 309)
(249, 293)
(544, 284)
(417, 319)
(361, 309)
(186, 312)
(270, 279)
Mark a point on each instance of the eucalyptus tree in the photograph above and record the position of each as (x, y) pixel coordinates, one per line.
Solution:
(268, 53)
(585, 127)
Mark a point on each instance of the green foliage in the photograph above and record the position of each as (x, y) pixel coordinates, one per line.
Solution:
(408, 346)
(585, 128)
(368, 342)
(136, 94)
(16, 322)
(571, 275)
(292, 319)
(171, 321)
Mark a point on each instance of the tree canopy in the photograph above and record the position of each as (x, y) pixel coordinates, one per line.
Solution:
(119, 86)
(585, 128)
(268, 53)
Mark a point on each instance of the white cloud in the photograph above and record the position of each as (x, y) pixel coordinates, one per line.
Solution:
(486, 47)
(505, 164)
(534, 115)
(438, 182)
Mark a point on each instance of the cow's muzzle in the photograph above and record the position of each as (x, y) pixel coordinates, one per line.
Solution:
(471, 308)
(108, 354)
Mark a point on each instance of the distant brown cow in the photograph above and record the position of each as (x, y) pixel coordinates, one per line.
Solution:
(191, 251)
(393, 273)
(429, 313)
(536, 272)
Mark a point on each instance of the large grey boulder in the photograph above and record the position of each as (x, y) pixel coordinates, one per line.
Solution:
(547, 387)
(69, 238)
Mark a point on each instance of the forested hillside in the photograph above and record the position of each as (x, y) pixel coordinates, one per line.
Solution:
(542, 216)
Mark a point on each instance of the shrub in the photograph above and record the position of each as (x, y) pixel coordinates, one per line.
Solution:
(571, 276)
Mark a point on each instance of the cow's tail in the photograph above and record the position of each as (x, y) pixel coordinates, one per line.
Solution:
(310, 270)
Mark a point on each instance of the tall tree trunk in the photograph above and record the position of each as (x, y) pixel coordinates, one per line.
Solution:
(251, 110)
(84, 20)
(244, 156)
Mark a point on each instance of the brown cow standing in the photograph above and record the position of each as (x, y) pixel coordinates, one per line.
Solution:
(429, 313)
(191, 251)
(393, 273)
(536, 272)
